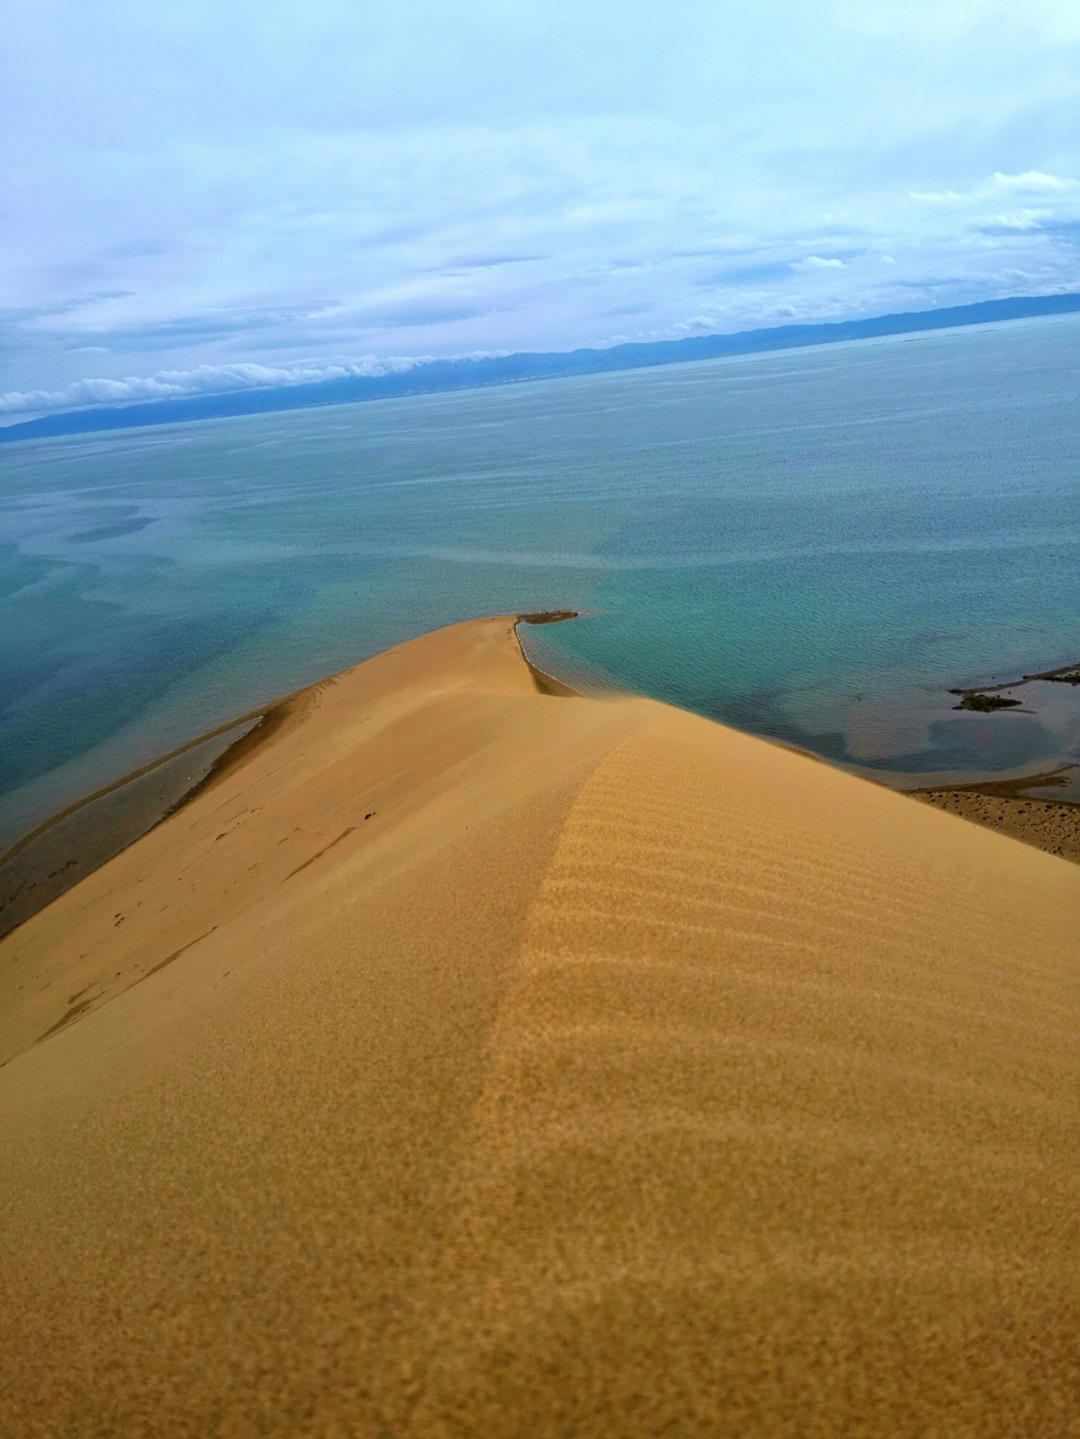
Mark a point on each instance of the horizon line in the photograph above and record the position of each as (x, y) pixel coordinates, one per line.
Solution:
(432, 376)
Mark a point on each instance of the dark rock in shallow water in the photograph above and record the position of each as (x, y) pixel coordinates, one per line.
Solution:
(984, 703)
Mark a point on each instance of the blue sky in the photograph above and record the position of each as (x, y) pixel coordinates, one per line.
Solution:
(203, 197)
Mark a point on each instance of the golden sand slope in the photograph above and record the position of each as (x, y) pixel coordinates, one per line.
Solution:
(474, 1061)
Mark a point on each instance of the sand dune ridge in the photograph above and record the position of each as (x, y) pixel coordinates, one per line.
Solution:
(471, 1060)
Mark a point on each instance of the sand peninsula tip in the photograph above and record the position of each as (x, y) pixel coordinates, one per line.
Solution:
(70, 844)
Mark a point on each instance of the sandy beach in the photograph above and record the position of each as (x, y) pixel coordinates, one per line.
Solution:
(467, 1057)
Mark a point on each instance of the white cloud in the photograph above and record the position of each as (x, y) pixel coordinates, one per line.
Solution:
(204, 380)
(1031, 182)
(1034, 182)
(817, 262)
(936, 197)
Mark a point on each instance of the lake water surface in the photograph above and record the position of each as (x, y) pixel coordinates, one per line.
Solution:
(812, 544)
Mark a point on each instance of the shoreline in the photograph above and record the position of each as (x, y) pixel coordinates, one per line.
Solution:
(1008, 806)
(70, 844)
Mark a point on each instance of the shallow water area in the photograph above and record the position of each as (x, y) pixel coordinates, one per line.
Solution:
(814, 545)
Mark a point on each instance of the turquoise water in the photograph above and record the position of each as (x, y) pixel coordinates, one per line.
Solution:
(813, 544)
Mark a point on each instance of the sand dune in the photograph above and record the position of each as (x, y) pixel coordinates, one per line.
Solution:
(470, 1060)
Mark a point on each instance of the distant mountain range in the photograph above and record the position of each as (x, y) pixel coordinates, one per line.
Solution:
(429, 376)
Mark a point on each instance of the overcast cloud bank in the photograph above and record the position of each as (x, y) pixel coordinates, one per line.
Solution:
(204, 380)
(227, 196)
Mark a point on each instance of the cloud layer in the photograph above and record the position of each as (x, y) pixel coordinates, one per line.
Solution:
(243, 190)
(203, 380)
